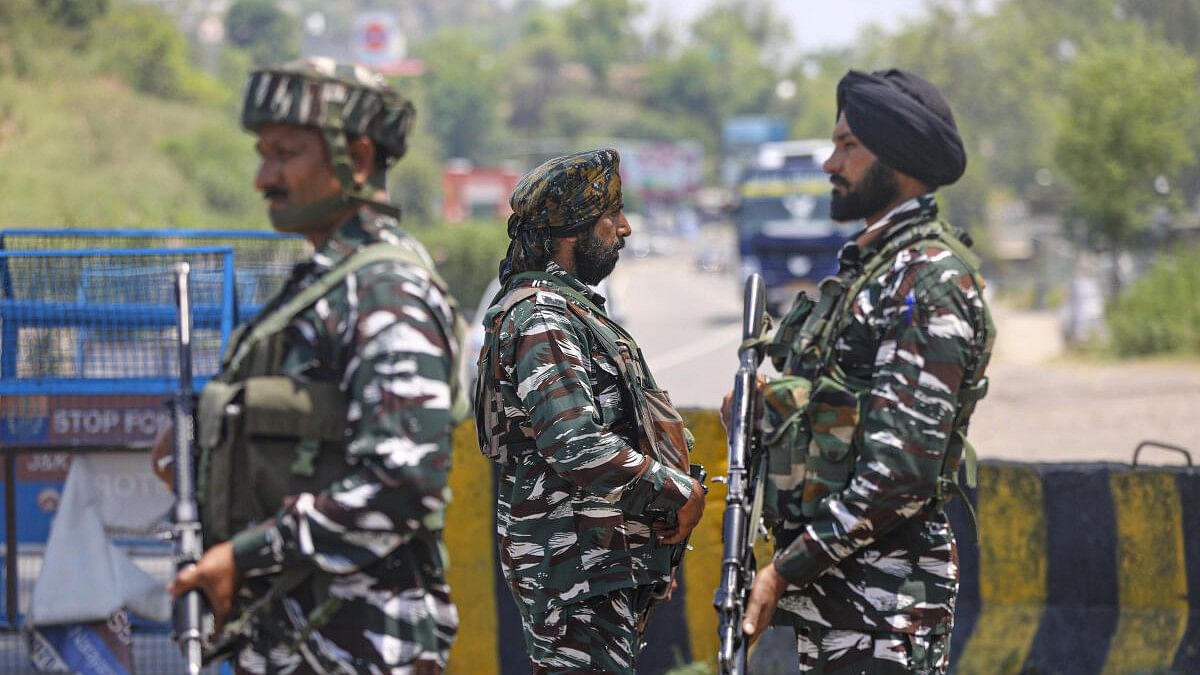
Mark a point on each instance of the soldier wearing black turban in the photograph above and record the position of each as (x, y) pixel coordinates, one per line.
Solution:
(871, 414)
(904, 120)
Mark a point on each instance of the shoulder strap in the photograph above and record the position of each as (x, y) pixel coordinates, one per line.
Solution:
(823, 332)
(279, 318)
(364, 257)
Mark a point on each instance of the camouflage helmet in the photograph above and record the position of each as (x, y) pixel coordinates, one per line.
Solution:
(341, 101)
(318, 92)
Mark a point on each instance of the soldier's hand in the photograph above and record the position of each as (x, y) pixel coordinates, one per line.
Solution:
(162, 458)
(727, 404)
(216, 575)
(764, 596)
(686, 518)
(727, 410)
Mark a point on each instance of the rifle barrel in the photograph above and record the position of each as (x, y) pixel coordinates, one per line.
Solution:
(737, 561)
(189, 609)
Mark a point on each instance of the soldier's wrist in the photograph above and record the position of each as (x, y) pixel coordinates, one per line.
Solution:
(252, 548)
(675, 491)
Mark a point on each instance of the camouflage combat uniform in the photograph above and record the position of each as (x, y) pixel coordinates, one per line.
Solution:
(869, 556)
(385, 335)
(576, 497)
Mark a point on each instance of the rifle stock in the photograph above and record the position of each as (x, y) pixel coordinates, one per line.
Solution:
(743, 499)
(191, 620)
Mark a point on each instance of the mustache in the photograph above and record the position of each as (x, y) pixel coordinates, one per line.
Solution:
(274, 193)
(839, 181)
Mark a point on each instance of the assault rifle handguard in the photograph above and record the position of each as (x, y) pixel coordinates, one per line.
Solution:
(192, 622)
(743, 501)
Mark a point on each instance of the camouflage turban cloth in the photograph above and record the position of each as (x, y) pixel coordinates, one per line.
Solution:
(905, 122)
(560, 198)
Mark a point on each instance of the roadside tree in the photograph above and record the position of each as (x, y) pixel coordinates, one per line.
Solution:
(1128, 124)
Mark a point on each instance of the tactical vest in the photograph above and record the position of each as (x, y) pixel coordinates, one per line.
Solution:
(813, 411)
(262, 435)
(659, 428)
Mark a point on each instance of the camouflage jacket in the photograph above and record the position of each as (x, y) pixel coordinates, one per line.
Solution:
(385, 335)
(573, 513)
(875, 553)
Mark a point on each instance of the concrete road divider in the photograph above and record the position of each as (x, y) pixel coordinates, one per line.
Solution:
(1073, 568)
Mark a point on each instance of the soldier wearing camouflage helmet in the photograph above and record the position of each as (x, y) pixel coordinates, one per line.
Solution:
(866, 428)
(325, 438)
(596, 495)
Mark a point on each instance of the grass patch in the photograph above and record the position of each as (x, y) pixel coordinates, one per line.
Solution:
(1160, 313)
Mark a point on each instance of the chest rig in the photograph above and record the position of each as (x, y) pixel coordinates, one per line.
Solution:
(811, 423)
(659, 428)
(264, 435)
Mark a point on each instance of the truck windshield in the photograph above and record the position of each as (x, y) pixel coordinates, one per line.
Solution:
(786, 216)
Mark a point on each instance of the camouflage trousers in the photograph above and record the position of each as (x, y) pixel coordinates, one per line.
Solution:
(825, 651)
(602, 634)
(420, 626)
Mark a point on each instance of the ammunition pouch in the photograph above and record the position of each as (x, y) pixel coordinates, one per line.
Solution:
(660, 431)
(281, 436)
(808, 433)
(788, 332)
(833, 414)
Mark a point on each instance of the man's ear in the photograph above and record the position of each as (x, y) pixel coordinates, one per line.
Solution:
(362, 157)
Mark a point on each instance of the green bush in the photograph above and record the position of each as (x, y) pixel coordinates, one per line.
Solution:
(467, 255)
(220, 161)
(74, 13)
(1160, 313)
(269, 34)
(145, 48)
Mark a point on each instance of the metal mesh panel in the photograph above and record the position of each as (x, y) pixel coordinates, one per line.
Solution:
(109, 315)
(262, 259)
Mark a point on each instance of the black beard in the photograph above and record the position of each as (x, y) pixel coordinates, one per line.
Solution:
(877, 189)
(595, 260)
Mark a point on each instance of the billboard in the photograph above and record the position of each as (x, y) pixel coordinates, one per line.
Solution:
(662, 171)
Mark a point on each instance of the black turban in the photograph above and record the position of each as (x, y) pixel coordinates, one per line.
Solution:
(905, 122)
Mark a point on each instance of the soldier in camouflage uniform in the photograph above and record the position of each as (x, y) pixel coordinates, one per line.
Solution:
(866, 427)
(325, 439)
(596, 496)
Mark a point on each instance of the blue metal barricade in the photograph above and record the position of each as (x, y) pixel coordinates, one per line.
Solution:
(102, 322)
(88, 355)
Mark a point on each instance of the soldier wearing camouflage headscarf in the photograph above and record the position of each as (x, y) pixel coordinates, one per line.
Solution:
(325, 439)
(867, 426)
(596, 494)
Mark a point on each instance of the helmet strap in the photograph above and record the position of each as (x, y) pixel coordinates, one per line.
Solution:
(314, 216)
(343, 167)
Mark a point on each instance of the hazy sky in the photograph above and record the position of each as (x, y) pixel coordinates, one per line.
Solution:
(815, 23)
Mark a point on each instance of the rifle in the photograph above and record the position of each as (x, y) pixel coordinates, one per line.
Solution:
(743, 501)
(191, 621)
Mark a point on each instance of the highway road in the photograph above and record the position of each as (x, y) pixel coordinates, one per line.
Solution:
(687, 322)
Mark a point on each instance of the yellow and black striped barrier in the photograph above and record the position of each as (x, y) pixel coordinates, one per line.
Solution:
(1080, 568)
(1074, 568)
